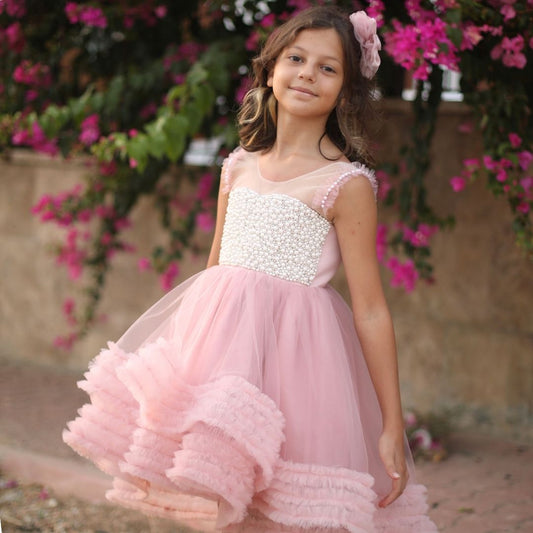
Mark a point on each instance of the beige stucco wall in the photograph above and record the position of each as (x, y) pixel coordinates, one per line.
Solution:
(465, 343)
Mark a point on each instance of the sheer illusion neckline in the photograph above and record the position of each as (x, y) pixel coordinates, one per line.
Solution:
(303, 175)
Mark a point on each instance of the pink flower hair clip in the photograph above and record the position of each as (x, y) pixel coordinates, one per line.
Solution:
(364, 29)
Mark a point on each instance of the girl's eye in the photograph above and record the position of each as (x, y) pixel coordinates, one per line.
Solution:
(294, 58)
(328, 69)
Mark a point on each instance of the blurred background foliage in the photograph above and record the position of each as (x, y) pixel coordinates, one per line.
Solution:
(147, 91)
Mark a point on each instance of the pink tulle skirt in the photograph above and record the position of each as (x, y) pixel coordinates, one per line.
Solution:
(242, 402)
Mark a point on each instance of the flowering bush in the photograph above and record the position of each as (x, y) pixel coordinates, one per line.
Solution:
(128, 85)
(427, 435)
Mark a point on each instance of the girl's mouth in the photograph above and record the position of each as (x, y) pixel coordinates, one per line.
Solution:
(303, 90)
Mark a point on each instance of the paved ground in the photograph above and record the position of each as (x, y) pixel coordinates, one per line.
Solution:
(485, 486)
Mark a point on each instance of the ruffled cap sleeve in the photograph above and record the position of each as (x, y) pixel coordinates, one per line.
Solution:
(227, 177)
(328, 192)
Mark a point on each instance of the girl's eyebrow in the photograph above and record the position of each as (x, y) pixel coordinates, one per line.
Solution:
(329, 58)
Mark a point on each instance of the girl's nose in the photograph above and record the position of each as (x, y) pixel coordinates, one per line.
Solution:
(306, 72)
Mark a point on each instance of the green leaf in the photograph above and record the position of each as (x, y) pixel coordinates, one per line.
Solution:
(176, 93)
(453, 16)
(455, 35)
(175, 129)
(156, 139)
(137, 148)
(197, 75)
(204, 97)
(194, 116)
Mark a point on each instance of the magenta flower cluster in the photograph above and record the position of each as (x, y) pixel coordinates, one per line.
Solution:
(14, 8)
(426, 42)
(85, 14)
(512, 172)
(423, 43)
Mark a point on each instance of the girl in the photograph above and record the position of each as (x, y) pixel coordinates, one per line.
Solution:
(250, 398)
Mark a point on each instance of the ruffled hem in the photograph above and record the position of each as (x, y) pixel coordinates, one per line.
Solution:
(208, 455)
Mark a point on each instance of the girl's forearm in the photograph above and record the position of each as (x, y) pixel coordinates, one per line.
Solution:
(376, 335)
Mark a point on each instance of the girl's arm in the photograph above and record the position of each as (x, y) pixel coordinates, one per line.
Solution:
(354, 215)
(222, 205)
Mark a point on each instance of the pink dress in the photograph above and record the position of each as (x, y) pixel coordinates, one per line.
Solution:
(241, 401)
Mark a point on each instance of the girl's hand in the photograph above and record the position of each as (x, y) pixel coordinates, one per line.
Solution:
(391, 451)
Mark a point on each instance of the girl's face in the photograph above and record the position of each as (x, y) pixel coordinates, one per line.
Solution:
(308, 74)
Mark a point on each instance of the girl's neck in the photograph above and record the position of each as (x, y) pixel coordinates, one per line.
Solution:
(296, 137)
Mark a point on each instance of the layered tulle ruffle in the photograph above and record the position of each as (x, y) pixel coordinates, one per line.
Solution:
(214, 435)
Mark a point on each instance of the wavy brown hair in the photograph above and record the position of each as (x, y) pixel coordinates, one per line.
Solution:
(348, 124)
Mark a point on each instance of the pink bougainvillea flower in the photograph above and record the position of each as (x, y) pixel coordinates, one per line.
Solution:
(35, 74)
(205, 221)
(526, 183)
(514, 44)
(508, 12)
(72, 11)
(403, 274)
(106, 239)
(523, 207)
(489, 163)
(148, 111)
(14, 8)
(144, 264)
(178, 79)
(85, 215)
(299, 5)
(252, 42)
(384, 184)
(514, 60)
(375, 10)
(161, 11)
(410, 419)
(166, 279)
(108, 168)
(268, 20)
(243, 88)
(402, 44)
(501, 175)
(421, 236)
(40, 143)
(458, 183)
(68, 306)
(205, 185)
(466, 127)
(515, 140)
(524, 159)
(93, 16)
(133, 163)
(472, 35)
(31, 95)
(510, 52)
(90, 132)
(68, 311)
(15, 37)
(421, 439)
(67, 342)
(122, 223)
(20, 137)
(471, 164)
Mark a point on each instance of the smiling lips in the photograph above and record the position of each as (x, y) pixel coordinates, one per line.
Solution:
(303, 90)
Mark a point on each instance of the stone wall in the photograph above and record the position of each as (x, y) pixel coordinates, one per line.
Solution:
(465, 343)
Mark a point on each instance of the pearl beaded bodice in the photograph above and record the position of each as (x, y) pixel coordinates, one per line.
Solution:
(274, 233)
(281, 228)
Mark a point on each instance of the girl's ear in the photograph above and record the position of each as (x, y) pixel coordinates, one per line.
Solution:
(269, 80)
